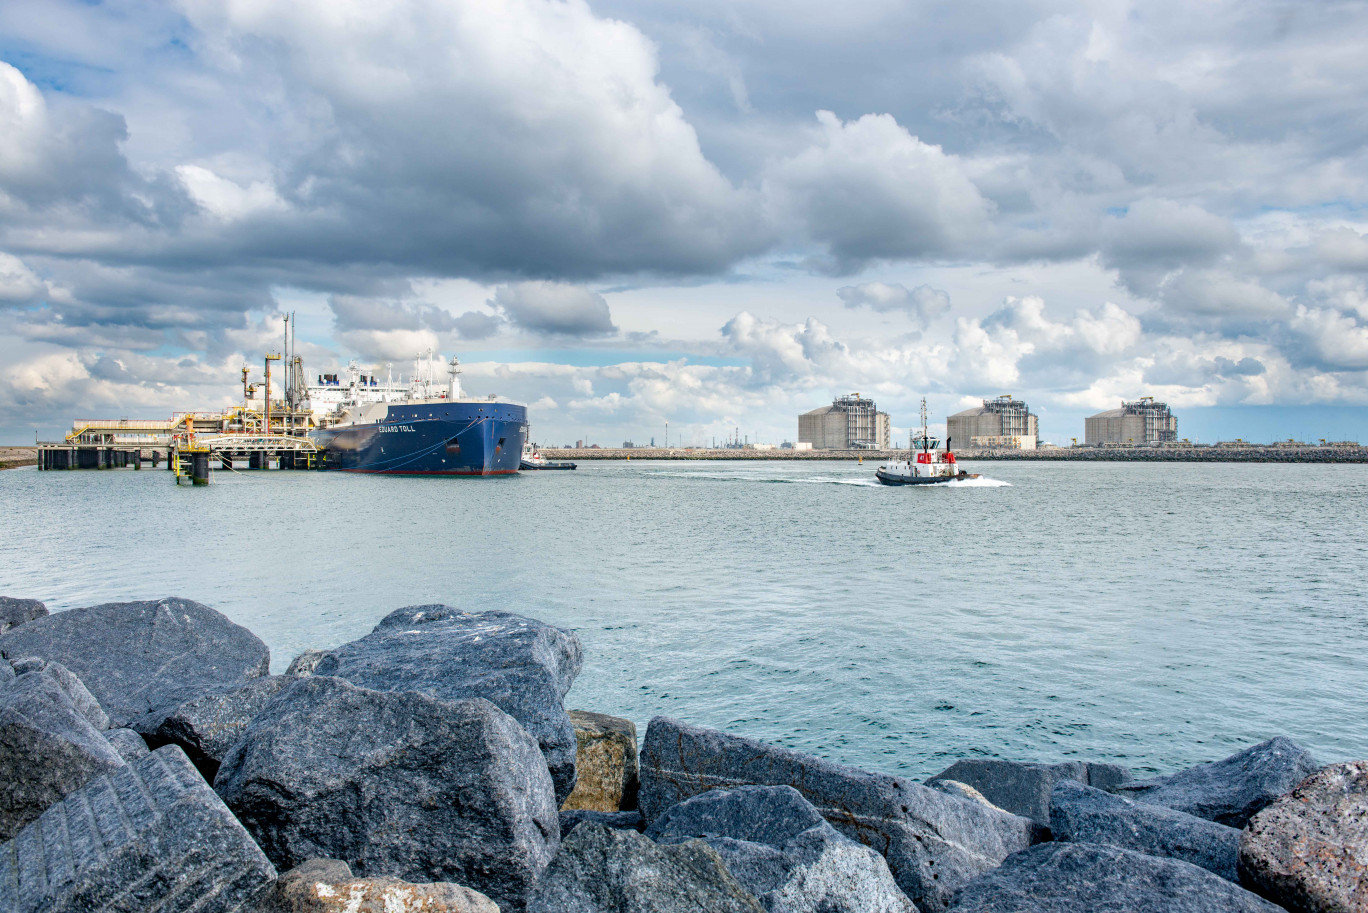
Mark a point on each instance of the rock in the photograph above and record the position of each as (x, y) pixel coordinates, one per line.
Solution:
(1231, 791)
(785, 853)
(618, 821)
(138, 658)
(305, 663)
(48, 749)
(1024, 788)
(327, 886)
(206, 727)
(128, 744)
(149, 836)
(396, 784)
(15, 612)
(1081, 814)
(605, 763)
(1090, 878)
(80, 695)
(960, 791)
(1308, 851)
(599, 870)
(518, 664)
(6, 671)
(1107, 776)
(932, 842)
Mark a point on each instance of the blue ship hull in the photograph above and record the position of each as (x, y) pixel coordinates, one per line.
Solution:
(437, 438)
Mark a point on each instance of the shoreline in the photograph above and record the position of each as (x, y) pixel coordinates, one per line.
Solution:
(15, 457)
(1280, 453)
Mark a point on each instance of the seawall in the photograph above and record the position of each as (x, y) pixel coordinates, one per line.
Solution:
(1280, 453)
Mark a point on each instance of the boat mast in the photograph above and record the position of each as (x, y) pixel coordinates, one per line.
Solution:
(924, 433)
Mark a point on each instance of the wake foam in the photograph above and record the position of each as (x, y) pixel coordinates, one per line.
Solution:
(978, 483)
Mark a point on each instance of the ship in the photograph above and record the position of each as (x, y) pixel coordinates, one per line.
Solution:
(926, 463)
(419, 429)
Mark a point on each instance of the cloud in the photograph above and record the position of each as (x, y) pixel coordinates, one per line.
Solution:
(1330, 339)
(515, 136)
(18, 284)
(1021, 340)
(923, 303)
(868, 190)
(554, 307)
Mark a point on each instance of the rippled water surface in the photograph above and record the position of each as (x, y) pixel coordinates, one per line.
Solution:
(1156, 615)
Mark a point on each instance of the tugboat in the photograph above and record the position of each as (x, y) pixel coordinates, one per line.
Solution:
(925, 466)
(532, 459)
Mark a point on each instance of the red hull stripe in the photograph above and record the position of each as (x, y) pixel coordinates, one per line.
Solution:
(432, 472)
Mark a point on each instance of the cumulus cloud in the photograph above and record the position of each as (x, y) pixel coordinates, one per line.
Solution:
(554, 307)
(18, 284)
(1171, 196)
(923, 303)
(869, 190)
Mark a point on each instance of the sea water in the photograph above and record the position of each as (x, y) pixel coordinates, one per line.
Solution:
(1156, 615)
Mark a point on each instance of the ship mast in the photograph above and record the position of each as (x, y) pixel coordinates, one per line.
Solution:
(925, 435)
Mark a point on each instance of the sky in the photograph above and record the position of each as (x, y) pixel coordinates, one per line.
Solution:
(716, 213)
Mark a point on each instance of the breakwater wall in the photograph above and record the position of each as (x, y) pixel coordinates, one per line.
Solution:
(14, 457)
(1195, 454)
(431, 767)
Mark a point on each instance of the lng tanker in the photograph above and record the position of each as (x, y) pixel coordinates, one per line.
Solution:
(422, 430)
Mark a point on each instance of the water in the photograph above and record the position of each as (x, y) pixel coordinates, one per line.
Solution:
(1156, 615)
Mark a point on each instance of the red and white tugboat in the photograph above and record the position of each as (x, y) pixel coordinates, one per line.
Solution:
(926, 463)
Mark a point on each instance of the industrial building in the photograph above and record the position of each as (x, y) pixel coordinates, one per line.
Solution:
(1000, 422)
(849, 423)
(1143, 422)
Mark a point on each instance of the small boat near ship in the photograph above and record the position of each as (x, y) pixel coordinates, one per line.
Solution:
(532, 459)
(926, 463)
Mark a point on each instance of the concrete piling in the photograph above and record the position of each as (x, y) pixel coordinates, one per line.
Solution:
(199, 468)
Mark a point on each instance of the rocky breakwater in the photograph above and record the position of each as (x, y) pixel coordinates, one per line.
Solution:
(426, 767)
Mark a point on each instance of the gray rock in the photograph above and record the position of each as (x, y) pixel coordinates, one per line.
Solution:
(206, 727)
(26, 664)
(960, 791)
(14, 612)
(1024, 788)
(128, 744)
(328, 886)
(6, 671)
(606, 772)
(80, 695)
(1308, 851)
(599, 870)
(1090, 878)
(396, 784)
(139, 658)
(932, 842)
(48, 749)
(149, 836)
(618, 821)
(785, 853)
(518, 664)
(1233, 790)
(305, 663)
(1081, 814)
(1107, 776)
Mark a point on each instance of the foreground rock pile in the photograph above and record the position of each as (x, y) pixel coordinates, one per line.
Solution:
(149, 761)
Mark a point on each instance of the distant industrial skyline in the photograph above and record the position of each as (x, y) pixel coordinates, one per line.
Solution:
(707, 213)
